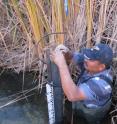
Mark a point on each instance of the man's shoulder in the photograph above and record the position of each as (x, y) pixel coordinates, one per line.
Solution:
(100, 85)
(104, 77)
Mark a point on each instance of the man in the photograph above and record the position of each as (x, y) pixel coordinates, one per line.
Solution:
(91, 96)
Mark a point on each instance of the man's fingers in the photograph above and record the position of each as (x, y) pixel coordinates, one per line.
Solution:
(55, 54)
(51, 56)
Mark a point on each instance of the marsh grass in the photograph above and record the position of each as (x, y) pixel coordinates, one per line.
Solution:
(29, 27)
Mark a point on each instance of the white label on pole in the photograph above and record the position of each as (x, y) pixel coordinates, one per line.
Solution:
(50, 101)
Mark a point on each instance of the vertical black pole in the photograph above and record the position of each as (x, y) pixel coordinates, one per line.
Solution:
(53, 76)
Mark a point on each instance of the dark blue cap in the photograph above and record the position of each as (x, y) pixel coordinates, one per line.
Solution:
(100, 52)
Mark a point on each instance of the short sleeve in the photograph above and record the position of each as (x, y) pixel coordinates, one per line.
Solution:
(90, 95)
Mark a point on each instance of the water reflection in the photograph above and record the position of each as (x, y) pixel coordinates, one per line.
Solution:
(32, 110)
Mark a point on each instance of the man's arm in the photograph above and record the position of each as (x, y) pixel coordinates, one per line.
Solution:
(72, 91)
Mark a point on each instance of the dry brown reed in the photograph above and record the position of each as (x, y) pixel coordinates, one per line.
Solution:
(29, 27)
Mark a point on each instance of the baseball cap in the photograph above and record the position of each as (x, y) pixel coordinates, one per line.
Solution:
(101, 52)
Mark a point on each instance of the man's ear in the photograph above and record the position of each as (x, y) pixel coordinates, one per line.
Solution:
(102, 67)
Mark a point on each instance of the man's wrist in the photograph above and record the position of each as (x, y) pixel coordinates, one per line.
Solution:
(62, 65)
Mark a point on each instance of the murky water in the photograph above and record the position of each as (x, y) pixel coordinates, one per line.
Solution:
(32, 110)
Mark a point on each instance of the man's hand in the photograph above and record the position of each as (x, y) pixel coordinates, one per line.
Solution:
(66, 52)
(58, 58)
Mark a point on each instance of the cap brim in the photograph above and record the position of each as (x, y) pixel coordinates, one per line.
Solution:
(88, 54)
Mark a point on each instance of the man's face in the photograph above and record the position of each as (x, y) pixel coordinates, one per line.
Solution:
(93, 66)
